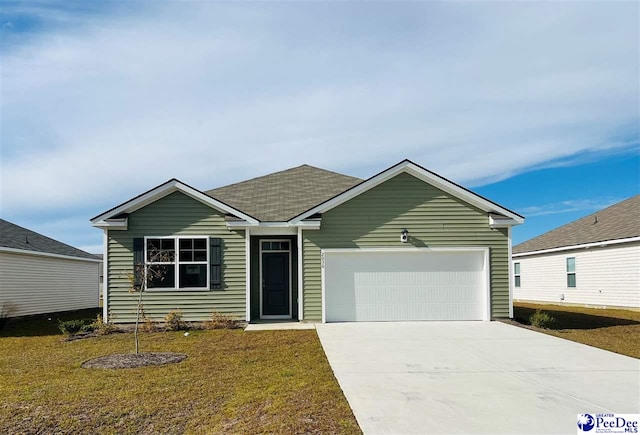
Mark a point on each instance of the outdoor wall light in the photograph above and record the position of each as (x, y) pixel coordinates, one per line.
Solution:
(404, 236)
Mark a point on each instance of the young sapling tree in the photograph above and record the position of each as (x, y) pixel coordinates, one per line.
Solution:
(146, 273)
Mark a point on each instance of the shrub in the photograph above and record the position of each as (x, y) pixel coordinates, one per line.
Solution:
(71, 327)
(541, 319)
(220, 321)
(87, 327)
(102, 328)
(173, 321)
(148, 325)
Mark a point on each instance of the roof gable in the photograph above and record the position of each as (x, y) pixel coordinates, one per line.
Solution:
(163, 190)
(619, 221)
(16, 238)
(407, 166)
(282, 195)
(289, 197)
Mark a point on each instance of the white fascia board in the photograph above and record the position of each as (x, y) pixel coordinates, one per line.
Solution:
(240, 225)
(309, 225)
(583, 246)
(272, 231)
(266, 226)
(502, 223)
(421, 174)
(164, 190)
(47, 254)
(273, 224)
(246, 224)
(263, 228)
(113, 224)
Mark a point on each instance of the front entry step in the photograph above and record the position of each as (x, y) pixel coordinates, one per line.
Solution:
(277, 326)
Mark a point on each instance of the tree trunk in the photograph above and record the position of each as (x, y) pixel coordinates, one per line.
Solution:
(135, 330)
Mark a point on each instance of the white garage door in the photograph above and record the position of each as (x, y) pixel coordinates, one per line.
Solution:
(370, 285)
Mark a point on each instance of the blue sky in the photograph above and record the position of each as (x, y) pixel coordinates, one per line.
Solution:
(535, 105)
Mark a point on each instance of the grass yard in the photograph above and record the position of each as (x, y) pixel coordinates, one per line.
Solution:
(232, 382)
(616, 330)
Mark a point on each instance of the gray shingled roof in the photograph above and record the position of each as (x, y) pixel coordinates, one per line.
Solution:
(282, 195)
(16, 237)
(620, 221)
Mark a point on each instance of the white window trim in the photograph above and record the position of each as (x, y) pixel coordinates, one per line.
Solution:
(247, 272)
(260, 251)
(105, 276)
(177, 264)
(299, 243)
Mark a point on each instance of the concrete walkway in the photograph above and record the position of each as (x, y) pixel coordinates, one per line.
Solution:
(278, 326)
(474, 378)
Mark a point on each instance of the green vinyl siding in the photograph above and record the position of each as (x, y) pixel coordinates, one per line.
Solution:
(434, 219)
(176, 214)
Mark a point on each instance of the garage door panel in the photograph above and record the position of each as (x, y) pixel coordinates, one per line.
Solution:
(368, 286)
(414, 312)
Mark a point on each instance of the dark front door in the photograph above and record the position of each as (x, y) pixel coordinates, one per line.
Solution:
(275, 284)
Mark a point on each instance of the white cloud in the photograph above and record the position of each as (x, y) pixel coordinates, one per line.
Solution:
(215, 93)
(574, 205)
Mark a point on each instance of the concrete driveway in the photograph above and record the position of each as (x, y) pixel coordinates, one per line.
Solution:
(474, 378)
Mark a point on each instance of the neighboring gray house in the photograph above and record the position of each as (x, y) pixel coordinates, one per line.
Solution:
(41, 275)
(308, 244)
(593, 261)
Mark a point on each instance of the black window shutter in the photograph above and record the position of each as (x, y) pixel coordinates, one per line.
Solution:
(215, 262)
(138, 261)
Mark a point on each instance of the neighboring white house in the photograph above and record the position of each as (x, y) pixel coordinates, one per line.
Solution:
(593, 261)
(101, 277)
(42, 275)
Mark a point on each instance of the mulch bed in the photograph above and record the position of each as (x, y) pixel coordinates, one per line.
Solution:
(131, 360)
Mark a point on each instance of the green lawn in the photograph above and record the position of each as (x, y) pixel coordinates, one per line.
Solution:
(617, 330)
(232, 382)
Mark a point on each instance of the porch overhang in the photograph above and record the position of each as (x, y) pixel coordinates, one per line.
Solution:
(274, 227)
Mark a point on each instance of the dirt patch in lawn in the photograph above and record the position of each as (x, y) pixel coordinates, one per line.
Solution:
(132, 360)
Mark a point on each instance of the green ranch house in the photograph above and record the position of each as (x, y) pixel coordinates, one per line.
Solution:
(307, 244)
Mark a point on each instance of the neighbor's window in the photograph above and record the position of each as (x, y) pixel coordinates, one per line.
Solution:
(571, 271)
(180, 262)
(516, 273)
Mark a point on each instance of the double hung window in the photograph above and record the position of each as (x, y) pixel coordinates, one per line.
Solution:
(571, 271)
(177, 262)
(516, 274)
